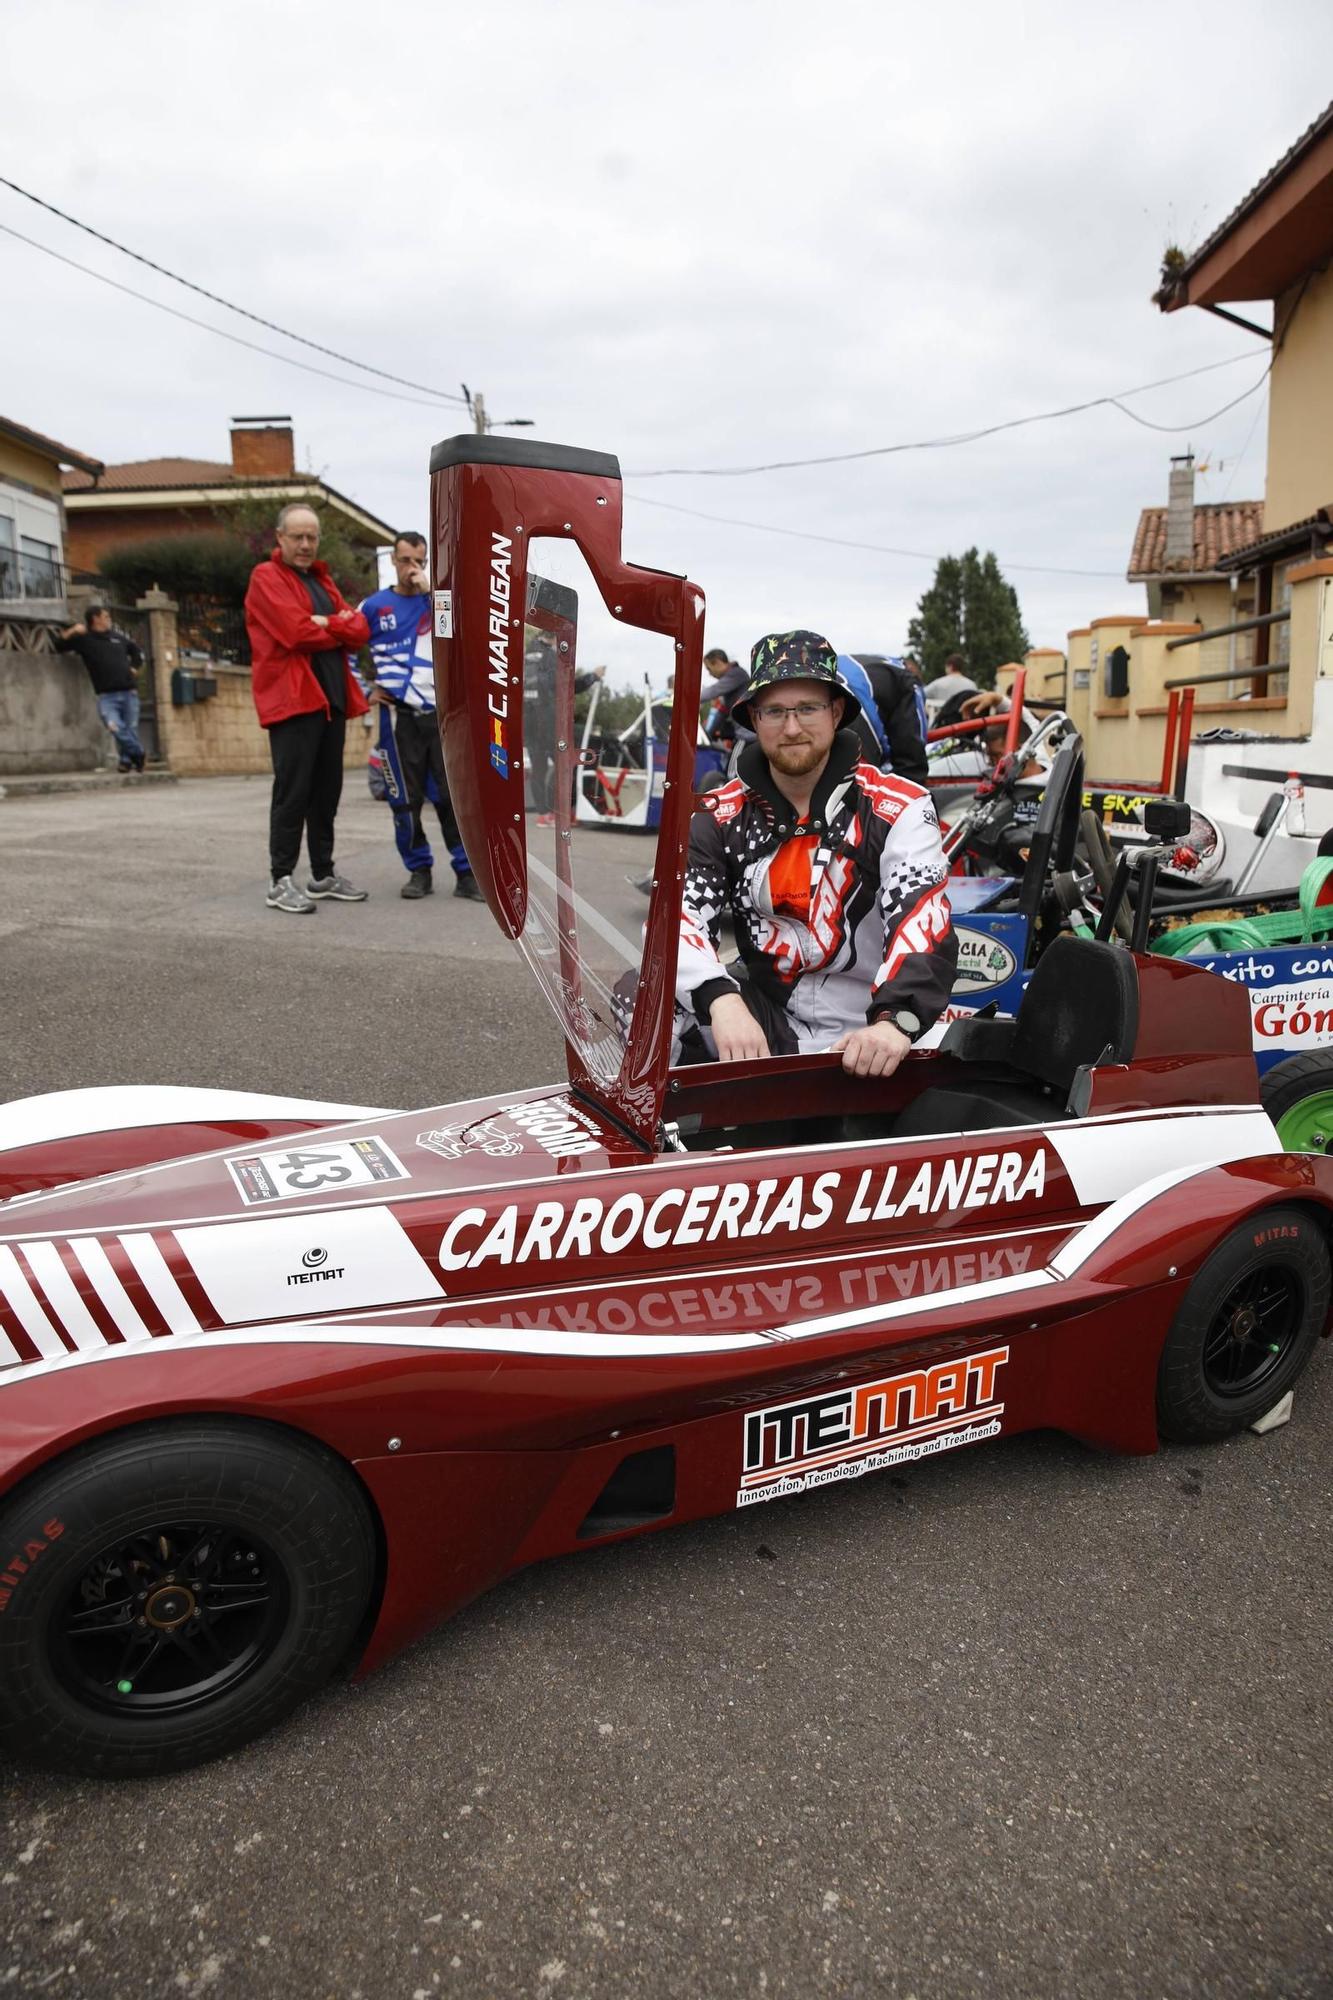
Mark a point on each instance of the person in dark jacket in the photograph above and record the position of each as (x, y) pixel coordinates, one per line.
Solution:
(301, 629)
(729, 679)
(901, 709)
(112, 660)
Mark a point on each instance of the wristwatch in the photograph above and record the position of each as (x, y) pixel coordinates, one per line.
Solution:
(903, 1018)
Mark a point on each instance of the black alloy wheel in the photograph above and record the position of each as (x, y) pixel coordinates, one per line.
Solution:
(181, 1587)
(1252, 1332)
(170, 1617)
(1246, 1326)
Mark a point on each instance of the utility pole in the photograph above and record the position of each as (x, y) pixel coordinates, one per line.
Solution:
(481, 423)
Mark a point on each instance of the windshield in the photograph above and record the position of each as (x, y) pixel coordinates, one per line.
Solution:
(582, 929)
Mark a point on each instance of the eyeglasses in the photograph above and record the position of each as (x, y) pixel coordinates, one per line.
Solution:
(775, 714)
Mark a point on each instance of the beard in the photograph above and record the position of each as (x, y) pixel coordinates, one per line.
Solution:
(797, 760)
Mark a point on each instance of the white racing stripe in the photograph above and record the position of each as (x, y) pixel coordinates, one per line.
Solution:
(1105, 1164)
(62, 1295)
(108, 1287)
(72, 1114)
(161, 1287)
(440, 1340)
(23, 1304)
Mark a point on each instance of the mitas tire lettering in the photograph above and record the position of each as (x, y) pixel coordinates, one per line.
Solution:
(286, 1511)
(1245, 1328)
(20, 1562)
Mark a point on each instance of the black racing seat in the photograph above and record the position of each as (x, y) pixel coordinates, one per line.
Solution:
(1080, 1010)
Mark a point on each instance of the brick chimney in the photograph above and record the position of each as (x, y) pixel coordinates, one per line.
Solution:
(1180, 515)
(263, 447)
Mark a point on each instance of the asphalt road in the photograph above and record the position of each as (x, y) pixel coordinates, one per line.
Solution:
(1016, 1722)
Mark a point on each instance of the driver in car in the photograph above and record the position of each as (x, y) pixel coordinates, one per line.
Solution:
(835, 878)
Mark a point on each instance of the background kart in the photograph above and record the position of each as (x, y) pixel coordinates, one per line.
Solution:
(281, 1382)
(1277, 948)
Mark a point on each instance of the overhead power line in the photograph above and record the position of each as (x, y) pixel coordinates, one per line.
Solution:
(348, 360)
(1115, 402)
(236, 339)
(838, 542)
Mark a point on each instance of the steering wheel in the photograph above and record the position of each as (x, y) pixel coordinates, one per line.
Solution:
(1056, 833)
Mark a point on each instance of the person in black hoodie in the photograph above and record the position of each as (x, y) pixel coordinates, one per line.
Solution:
(111, 658)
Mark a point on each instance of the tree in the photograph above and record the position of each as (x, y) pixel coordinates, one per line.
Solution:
(968, 609)
(216, 562)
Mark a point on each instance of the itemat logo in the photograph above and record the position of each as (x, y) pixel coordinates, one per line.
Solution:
(316, 1266)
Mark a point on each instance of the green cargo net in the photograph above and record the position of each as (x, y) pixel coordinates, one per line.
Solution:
(1311, 919)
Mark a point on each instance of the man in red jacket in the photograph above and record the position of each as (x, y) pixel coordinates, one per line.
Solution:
(301, 630)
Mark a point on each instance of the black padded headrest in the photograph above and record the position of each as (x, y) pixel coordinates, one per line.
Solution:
(1083, 998)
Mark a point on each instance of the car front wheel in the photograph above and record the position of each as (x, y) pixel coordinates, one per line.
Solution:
(1245, 1328)
(169, 1593)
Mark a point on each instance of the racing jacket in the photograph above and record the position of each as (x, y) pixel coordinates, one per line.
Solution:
(836, 918)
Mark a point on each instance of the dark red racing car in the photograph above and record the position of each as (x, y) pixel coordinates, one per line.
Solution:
(284, 1384)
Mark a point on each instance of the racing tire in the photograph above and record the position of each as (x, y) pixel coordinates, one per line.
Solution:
(169, 1593)
(1298, 1096)
(1245, 1328)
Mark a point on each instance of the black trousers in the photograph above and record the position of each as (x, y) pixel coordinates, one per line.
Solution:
(416, 731)
(307, 753)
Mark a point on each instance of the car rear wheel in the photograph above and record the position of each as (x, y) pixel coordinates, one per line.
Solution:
(169, 1593)
(1298, 1096)
(1245, 1328)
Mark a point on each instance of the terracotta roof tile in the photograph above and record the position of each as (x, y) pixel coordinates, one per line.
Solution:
(146, 474)
(60, 454)
(1219, 527)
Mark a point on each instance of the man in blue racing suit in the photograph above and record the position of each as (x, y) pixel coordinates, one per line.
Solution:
(403, 699)
(835, 878)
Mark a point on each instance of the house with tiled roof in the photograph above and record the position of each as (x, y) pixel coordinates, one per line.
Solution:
(115, 504)
(1276, 247)
(32, 520)
(1178, 554)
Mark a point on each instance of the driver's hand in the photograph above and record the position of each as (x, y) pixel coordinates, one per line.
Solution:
(876, 1050)
(983, 703)
(738, 1035)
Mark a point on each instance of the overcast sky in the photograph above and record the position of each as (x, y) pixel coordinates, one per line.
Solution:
(696, 234)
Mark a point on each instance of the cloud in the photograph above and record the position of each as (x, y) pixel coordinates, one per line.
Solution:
(694, 234)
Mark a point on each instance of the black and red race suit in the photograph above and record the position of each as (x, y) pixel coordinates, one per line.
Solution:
(837, 916)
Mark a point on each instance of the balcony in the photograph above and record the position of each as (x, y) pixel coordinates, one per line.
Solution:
(32, 586)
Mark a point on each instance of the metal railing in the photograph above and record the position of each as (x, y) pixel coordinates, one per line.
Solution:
(207, 625)
(23, 577)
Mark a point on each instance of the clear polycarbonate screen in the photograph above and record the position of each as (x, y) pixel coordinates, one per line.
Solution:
(594, 768)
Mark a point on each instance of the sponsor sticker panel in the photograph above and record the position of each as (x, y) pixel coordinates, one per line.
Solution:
(314, 1169)
(284, 1266)
(1291, 996)
(862, 1427)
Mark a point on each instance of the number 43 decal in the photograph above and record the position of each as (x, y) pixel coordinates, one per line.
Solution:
(265, 1177)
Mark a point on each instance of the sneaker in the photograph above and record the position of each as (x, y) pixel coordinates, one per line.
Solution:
(336, 887)
(124, 765)
(284, 895)
(468, 888)
(418, 884)
(138, 763)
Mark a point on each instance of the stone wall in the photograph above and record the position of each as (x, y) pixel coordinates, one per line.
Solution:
(222, 734)
(48, 712)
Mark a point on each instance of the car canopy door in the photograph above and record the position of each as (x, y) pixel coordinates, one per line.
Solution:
(528, 578)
